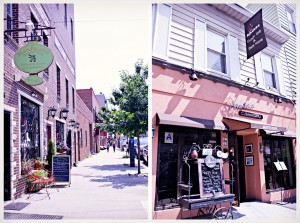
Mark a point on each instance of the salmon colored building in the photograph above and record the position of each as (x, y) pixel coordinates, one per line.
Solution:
(225, 104)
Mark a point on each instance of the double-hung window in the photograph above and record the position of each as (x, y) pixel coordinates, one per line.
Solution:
(291, 20)
(216, 53)
(268, 71)
(9, 17)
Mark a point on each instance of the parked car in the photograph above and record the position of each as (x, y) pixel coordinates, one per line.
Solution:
(143, 143)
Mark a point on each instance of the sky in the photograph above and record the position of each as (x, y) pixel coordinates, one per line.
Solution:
(109, 39)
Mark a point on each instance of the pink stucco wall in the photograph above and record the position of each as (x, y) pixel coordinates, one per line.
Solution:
(174, 93)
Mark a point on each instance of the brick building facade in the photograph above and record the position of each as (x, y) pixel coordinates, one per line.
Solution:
(89, 98)
(28, 127)
(85, 118)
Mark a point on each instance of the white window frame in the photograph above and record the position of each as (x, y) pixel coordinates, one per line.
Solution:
(231, 50)
(210, 70)
(278, 72)
(290, 11)
(275, 79)
(161, 31)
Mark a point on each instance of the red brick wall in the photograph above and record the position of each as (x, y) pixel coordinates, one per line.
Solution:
(85, 118)
(46, 92)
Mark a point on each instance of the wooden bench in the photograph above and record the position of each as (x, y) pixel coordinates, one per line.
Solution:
(46, 183)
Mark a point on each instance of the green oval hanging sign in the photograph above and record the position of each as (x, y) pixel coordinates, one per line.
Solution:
(33, 58)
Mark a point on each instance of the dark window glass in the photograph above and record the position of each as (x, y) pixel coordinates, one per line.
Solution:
(67, 92)
(72, 37)
(9, 17)
(59, 133)
(30, 130)
(66, 15)
(170, 157)
(73, 98)
(81, 141)
(86, 138)
(58, 81)
(277, 149)
(45, 41)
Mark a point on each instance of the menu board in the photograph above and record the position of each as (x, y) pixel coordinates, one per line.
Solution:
(211, 180)
(61, 169)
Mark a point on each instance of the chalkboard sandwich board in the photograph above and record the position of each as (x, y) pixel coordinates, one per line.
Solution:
(61, 169)
(211, 179)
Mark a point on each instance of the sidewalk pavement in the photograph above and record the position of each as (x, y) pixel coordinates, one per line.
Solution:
(102, 187)
(256, 210)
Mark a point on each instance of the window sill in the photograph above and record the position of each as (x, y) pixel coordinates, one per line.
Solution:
(272, 90)
(218, 74)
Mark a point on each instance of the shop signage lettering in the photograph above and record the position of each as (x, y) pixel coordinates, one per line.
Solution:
(168, 137)
(33, 58)
(61, 169)
(237, 106)
(250, 115)
(255, 36)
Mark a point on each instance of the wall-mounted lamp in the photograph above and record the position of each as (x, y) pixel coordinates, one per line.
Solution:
(64, 113)
(153, 131)
(52, 112)
(33, 94)
(72, 122)
(77, 125)
(29, 26)
(278, 100)
(246, 83)
(193, 76)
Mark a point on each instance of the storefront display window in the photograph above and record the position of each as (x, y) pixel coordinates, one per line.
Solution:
(278, 149)
(30, 130)
(170, 157)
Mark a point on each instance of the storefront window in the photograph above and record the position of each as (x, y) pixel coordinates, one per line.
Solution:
(174, 142)
(30, 130)
(59, 133)
(278, 149)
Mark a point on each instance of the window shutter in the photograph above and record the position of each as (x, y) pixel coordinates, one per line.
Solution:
(162, 28)
(258, 71)
(200, 46)
(279, 72)
(234, 61)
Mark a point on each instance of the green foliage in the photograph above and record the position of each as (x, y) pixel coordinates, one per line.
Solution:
(51, 152)
(129, 114)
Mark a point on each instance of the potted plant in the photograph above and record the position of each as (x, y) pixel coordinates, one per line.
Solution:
(38, 164)
(50, 153)
(26, 166)
(35, 175)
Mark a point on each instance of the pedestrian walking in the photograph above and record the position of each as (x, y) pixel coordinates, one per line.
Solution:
(114, 145)
(107, 146)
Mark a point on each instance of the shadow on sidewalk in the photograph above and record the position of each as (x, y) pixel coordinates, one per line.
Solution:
(114, 167)
(121, 181)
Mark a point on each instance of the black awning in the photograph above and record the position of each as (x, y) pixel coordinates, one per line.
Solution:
(167, 119)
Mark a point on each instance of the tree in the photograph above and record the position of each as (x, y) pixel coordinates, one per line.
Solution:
(129, 112)
(50, 153)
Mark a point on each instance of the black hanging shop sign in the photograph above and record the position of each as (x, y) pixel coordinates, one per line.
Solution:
(250, 115)
(255, 36)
